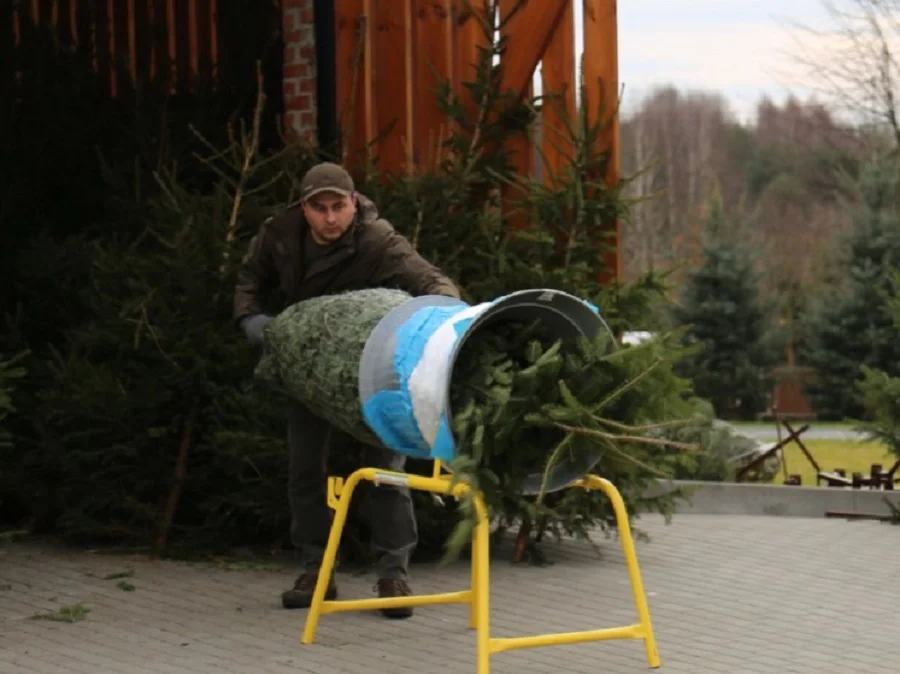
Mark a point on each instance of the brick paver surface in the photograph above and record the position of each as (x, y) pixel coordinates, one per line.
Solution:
(729, 595)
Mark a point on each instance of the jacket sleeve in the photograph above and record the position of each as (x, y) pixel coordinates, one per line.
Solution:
(400, 266)
(255, 276)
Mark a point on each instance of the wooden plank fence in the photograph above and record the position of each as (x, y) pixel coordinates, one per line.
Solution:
(182, 45)
(391, 54)
(141, 40)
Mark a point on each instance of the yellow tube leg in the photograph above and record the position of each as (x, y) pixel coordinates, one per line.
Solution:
(476, 581)
(481, 556)
(325, 572)
(637, 585)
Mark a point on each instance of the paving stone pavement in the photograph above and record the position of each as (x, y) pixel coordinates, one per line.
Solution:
(728, 595)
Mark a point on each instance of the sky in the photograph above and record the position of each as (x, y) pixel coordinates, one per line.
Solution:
(741, 48)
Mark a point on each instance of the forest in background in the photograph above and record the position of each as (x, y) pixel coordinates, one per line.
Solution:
(804, 193)
(778, 179)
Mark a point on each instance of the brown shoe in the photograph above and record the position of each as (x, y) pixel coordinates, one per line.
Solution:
(300, 596)
(389, 587)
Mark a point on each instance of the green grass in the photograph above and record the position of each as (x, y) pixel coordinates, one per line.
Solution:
(67, 614)
(851, 455)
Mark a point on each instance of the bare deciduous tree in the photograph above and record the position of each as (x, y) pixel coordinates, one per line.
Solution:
(854, 62)
(674, 144)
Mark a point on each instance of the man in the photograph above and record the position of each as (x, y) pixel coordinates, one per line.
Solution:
(332, 241)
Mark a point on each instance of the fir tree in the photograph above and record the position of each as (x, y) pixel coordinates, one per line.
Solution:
(151, 429)
(881, 390)
(848, 325)
(725, 322)
(10, 371)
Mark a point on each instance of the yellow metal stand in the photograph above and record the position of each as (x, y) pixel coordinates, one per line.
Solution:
(478, 595)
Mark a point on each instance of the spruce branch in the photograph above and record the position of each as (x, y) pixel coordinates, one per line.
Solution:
(250, 147)
(620, 437)
(167, 515)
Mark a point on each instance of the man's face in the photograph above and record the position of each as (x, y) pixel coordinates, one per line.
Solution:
(329, 215)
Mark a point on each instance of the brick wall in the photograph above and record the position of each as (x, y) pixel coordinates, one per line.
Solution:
(299, 69)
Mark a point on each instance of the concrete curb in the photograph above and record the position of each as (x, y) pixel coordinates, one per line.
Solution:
(730, 498)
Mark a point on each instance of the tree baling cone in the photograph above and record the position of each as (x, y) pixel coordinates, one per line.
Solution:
(518, 397)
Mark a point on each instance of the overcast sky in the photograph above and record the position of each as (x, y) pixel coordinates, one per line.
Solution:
(739, 47)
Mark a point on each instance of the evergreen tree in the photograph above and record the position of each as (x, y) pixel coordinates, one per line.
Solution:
(151, 429)
(848, 325)
(10, 370)
(725, 322)
(881, 390)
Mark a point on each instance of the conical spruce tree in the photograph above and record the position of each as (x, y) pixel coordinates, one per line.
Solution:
(11, 370)
(848, 324)
(153, 431)
(880, 390)
(724, 320)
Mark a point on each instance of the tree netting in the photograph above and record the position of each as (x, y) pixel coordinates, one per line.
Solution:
(313, 350)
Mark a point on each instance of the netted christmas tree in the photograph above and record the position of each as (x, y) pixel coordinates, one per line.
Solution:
(313, 351)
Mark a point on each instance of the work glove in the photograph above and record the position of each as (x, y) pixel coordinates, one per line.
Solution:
(253, 327)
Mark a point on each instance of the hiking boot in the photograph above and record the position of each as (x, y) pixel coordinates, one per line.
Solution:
(300, 596)
(389, 587)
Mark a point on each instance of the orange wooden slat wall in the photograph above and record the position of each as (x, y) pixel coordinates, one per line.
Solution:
(350, 28)
(132, 41)
(411, 42)
(393, 94)
(468, 40)
(433, 63)
(516, 76)
(390, 56)
(558, 80)
(601, 83)
(530, 30)
(8, 56)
